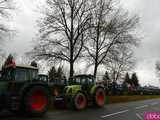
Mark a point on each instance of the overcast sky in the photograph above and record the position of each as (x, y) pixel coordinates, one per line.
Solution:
(24, 21)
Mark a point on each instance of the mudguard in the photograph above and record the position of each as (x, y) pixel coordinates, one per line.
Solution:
(93, 89)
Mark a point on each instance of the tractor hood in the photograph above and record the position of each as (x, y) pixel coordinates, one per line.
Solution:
(72, 89)
(74, 86)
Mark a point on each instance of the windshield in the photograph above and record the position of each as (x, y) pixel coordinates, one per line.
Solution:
(82, 80)
(26, 74)
(43, 78)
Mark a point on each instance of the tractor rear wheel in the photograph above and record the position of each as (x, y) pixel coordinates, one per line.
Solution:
(79, 101)
(100, 97)
(36, 101)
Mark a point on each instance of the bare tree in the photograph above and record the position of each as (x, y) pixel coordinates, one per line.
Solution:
(5, 8)
(23, 59)
(111, 27)
(62, 31)
(120, 62)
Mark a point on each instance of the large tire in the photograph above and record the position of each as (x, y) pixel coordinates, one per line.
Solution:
(99, 97)
(36, 101)
(79, 101)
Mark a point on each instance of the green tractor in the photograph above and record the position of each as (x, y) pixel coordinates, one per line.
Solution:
(83, 90)
(21, 91)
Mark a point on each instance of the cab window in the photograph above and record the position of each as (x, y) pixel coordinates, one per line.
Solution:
(33, 74)
(83, 80)
(21, 74)
(77, 80)
(26, 74)
(43, 78)
(90, 81)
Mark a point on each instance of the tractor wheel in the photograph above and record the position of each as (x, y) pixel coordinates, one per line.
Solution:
(36, 101)
(100, 97)
(79, 101)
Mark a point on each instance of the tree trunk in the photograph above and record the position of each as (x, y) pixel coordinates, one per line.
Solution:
(71, 70)
(95, 70)
(71, 46)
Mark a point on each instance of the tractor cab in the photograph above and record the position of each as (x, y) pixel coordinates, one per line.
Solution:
(12, 72)
(85, 81)
(19, 73)
(82, 80)
(43, 77)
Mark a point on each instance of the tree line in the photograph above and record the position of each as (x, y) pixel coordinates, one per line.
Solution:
(56, 74)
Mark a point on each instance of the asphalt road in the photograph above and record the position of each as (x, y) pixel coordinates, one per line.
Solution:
(122, 111)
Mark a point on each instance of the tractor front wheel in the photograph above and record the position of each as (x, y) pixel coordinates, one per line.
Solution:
(100, 97)
(79, 101)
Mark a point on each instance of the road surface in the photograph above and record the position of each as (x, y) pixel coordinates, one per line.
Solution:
(122, 111)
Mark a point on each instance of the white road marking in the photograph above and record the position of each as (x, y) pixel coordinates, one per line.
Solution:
(155, 103)
(138, 115)
(120, 112)
(140, 107)
(141, 114)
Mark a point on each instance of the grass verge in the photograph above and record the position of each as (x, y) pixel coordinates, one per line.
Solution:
(122, 99)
